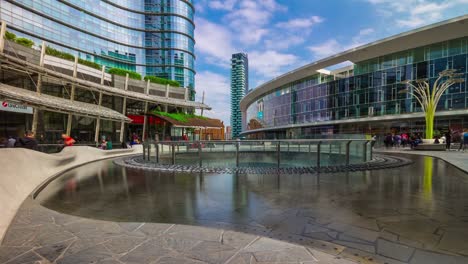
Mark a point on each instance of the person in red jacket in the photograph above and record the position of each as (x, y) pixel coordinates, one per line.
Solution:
(67, 140)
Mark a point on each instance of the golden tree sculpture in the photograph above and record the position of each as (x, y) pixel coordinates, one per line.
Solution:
(428, 97)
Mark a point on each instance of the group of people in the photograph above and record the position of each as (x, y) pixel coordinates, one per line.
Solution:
(27, 141)
(414, 139)
(402, 140)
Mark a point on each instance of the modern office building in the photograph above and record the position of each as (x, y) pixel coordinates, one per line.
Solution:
(151, 37)
(369, 96)
(239, 87)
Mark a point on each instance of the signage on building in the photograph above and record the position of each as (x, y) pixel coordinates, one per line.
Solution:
(15, 107)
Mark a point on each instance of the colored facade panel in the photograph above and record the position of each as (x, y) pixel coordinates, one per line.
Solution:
(239, 86)
(151, 37)
(375, 89)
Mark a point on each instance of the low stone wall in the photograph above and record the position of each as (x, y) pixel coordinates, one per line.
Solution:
(23, 170)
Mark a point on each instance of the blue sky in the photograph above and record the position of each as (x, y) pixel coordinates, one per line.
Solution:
(281, 35)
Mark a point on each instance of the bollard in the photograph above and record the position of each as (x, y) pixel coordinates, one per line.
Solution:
(347, 152)
(144, 152)
(237, 154)
(364, 154)
(310, 149)
(199, 154)
(278, 153)
(157, 152)
(173, 154)
(148, 157)
(318, 155)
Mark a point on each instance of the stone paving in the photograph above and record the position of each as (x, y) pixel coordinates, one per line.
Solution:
(39, 235)
(415, 214)
(454, 157)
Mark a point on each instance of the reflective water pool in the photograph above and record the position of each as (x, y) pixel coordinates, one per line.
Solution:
(423, 205)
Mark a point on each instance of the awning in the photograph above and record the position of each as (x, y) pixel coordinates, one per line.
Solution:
(57, 104)
(193, 122)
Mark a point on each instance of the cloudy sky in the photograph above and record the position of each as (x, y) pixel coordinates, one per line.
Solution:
(281, 35)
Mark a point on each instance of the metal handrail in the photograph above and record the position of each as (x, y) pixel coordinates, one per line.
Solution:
(275, 143)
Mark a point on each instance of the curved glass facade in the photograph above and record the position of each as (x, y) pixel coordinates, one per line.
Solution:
(152, 37)
(372, 88)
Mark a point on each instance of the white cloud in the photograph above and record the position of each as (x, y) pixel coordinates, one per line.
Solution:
(415, 13)
(272, 63)
(300, 23)
(326, 48)
(333, 46)
(222, 5)
(281, 42)
(213, 42)
(217, 94)
(249, 20)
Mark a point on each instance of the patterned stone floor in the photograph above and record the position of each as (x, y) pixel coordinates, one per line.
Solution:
(39, 235)
(416, 214)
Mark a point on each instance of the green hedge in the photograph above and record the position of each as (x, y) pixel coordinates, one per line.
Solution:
(121, 72)
(90, 64)
(59, 54)
(22, 41)
(181, 117)
(10, 36)
(163, 81)
(25, 42)
(67, 56)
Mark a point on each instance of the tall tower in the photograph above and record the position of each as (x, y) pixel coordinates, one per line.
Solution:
(239, 86)
(151, 37)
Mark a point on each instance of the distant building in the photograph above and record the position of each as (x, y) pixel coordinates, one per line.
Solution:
(239, 87)
(228, 133)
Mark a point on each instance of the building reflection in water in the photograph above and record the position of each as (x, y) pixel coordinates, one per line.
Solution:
(104, 191)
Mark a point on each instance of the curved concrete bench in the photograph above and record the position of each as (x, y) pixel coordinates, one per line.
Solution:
(23, 170)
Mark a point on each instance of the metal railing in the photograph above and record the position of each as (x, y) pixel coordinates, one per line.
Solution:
(279, 153)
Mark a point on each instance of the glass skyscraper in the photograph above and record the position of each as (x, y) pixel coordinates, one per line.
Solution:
(151, 37)
(239, 86)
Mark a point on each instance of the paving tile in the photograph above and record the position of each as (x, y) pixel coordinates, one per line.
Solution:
(425, 257)
(26, 258)
(177, 260)
(53, 251)
(394, 250)
(211, 252)
(325, 258)
(89, 255)
(454, 240)
(195, 232)
(7, 253)
(296, 254)
(236, 239)
(122, 244)
(357, 232)
(266, 244)
(145, 253)
(175, 243)
(366, 257)
(364, 247)
(151, 229)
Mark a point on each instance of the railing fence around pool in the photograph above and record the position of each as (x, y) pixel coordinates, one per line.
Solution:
(266, 153)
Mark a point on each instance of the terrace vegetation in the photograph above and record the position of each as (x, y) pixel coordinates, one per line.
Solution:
(70, 57)
(181, 117)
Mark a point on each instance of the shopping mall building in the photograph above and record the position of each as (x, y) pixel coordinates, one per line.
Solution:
(370, 95)
(76, 68)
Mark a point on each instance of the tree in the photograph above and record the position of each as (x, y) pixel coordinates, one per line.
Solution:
(428, 97)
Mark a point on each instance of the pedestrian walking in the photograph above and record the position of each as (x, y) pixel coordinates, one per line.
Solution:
(28, 141)
(448, 139)
(67, 140)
